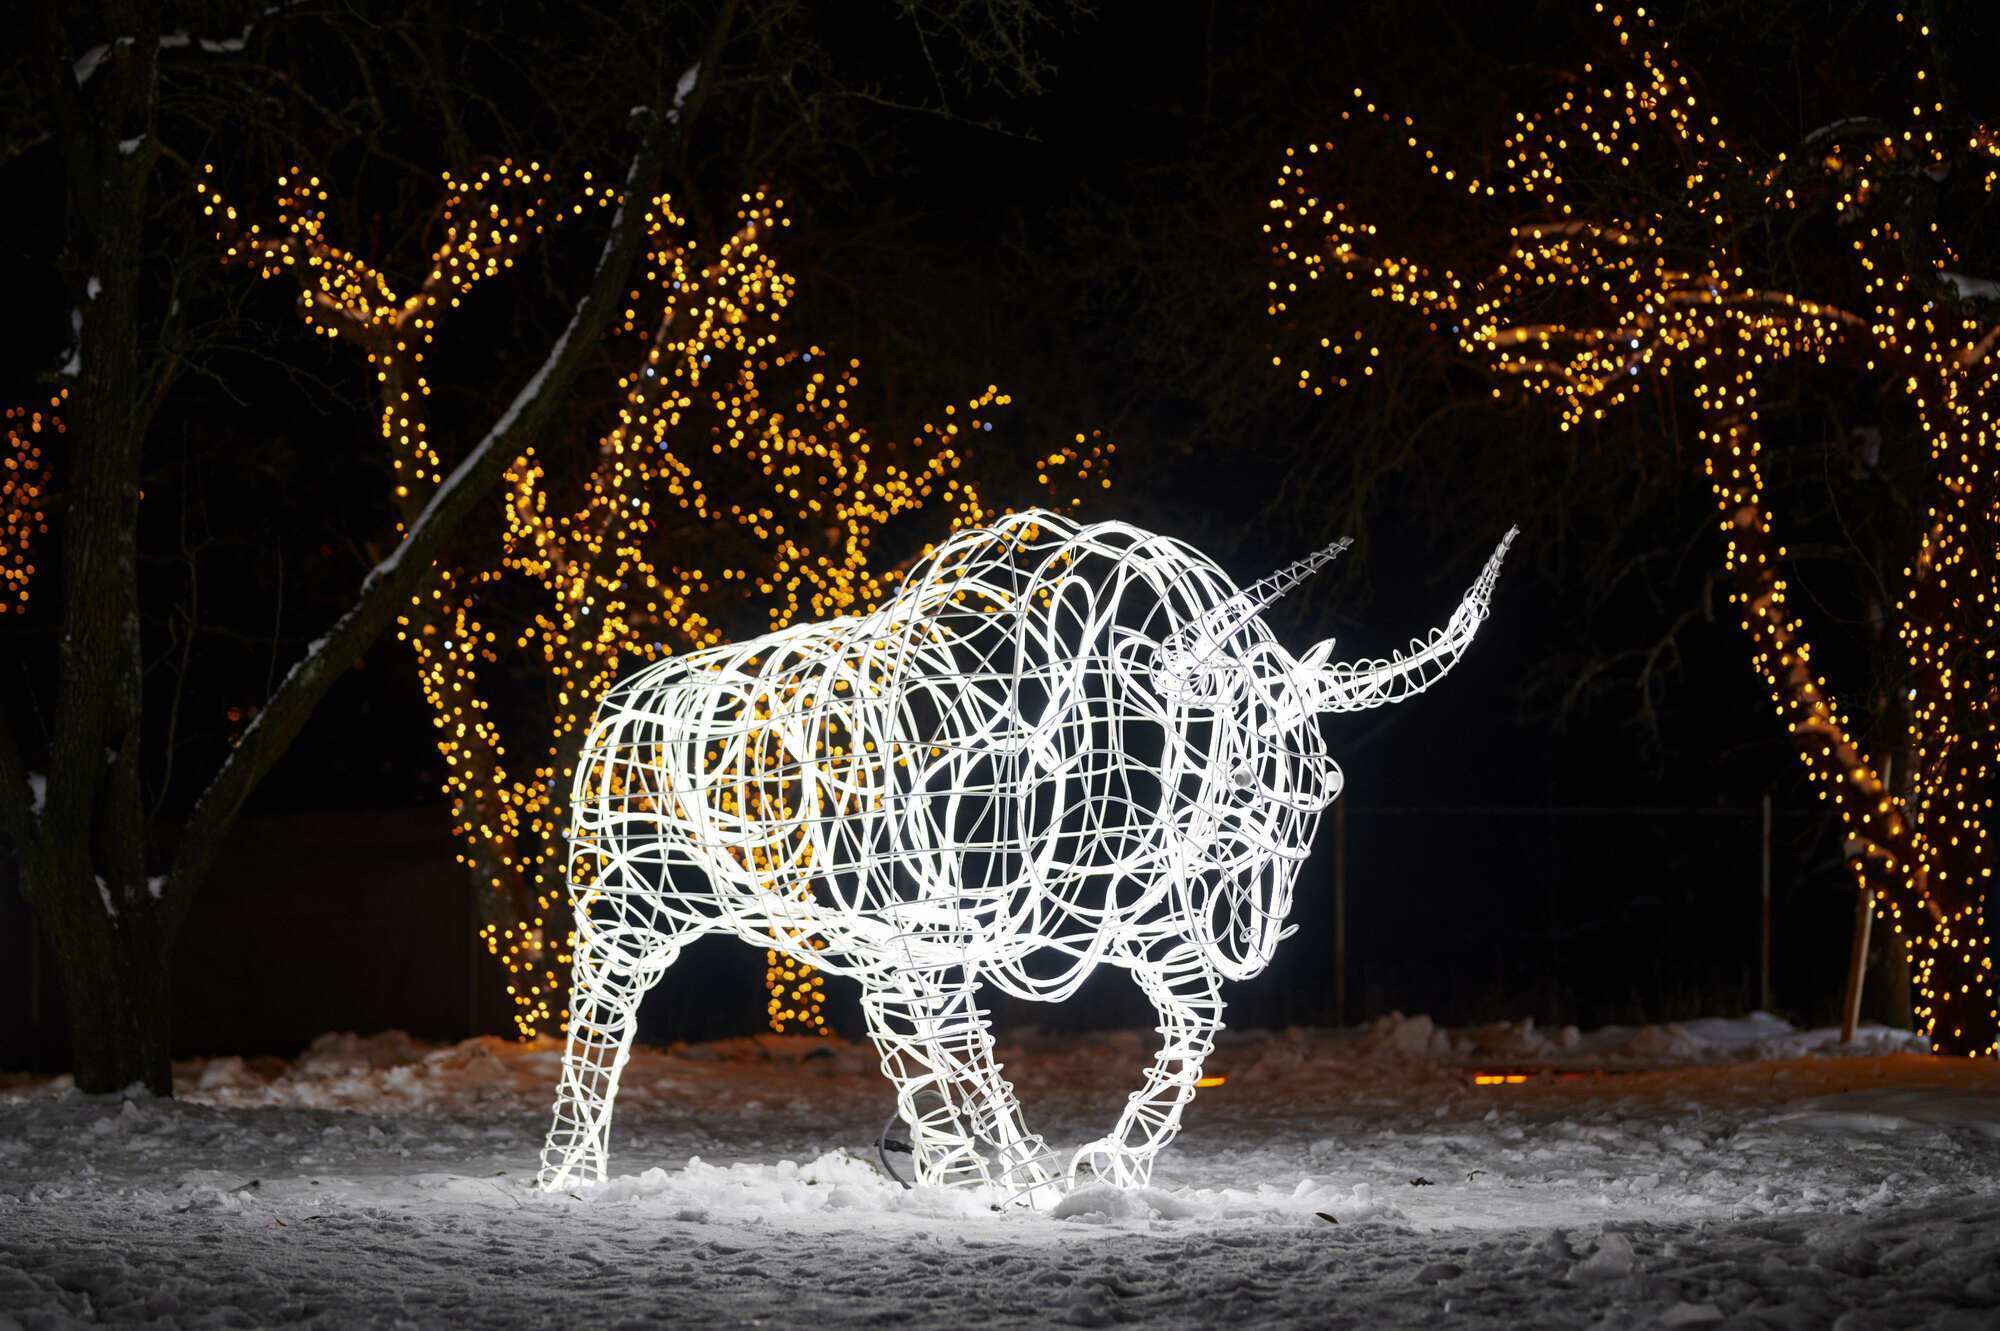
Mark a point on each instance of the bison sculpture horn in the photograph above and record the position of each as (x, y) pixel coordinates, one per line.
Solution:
(1056, 746)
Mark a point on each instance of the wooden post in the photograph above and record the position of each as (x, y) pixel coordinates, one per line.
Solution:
(1857, 959)
(1340, 913)
(471, 933)
(1864, 925)
(1764, 929)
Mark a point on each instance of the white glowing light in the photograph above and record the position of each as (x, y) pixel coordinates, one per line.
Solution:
(1056, 746)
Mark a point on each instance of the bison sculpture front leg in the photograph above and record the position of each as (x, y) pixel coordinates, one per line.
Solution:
(1186, 994)
(937, 1050)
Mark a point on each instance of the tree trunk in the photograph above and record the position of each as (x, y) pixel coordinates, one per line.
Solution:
(1951, 961)
(113, 942)
(1929, 848)
(115, 978)
(1952, 739)
(80, 831)
(83, 852)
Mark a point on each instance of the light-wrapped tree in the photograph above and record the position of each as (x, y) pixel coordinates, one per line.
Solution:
(1611, 251)
(111, 839)
(484, 223)
(733, 486)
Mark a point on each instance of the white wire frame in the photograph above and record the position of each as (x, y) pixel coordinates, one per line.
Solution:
(1057, 746)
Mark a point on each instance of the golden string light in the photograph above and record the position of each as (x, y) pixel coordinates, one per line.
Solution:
(24, 472)
(1590, 305)
(734, 481)
(485, 220)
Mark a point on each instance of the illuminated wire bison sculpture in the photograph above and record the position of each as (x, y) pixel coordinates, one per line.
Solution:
(1055, 746)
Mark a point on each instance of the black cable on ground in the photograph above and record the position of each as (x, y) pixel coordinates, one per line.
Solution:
(885, 1144)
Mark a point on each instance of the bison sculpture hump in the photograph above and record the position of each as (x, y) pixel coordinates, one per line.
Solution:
(1055, 746)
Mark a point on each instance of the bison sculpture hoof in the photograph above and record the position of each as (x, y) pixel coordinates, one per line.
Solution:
(1108, 1161)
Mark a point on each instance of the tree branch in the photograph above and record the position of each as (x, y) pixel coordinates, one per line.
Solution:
(391, 583)
(1780, 651)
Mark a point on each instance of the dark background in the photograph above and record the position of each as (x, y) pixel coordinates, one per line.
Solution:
(1568, 828)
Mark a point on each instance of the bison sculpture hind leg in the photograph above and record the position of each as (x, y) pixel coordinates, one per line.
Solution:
(617, 958)
(937, 1049)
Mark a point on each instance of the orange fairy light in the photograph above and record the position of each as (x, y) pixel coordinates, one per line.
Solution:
(24, 473)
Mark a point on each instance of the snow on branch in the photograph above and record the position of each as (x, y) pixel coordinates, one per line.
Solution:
(88, 62)
(391, 583)
(180, 39)
(478, 462)
(689, 78)
(1970, 288)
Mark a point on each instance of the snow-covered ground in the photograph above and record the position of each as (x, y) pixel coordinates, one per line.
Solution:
(1726, 1173)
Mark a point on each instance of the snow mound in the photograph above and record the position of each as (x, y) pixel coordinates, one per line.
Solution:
(347, 1071)
(1901, 1109)
(834, 1183)
(1613, 1260)
(1398, 1036)
(1759, 1037)
(394, 1071)
(841, 1184)
(1105, 1201)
